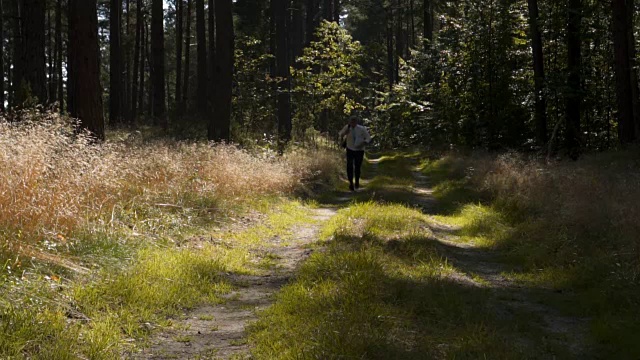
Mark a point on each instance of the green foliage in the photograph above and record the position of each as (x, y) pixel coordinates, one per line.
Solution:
(327, 81)
(254, 100)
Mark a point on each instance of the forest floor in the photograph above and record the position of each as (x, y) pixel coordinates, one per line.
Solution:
(383, 273)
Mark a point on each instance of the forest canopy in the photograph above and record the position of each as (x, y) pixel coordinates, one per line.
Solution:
(548, 76)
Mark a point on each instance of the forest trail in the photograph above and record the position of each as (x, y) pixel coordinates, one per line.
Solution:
(481, 267)
(217, 331)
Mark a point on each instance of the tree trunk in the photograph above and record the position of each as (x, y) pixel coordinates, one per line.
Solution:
(390, 57)
(50, 61)
(328, 10)
(622, 31)
(59, 78)
(33, 51)
(312, 8)
(220, 124)
(212, 55)
(428, 24)
(201, 38)
(538, 73)
(85, 96)
(136, 61)
(1, 57)
(115, 62)
(157, 70)
(283, 74)
(126, 96)
(574, 96)
(297, 31)
(187, 59)
(179, 32)
(143, 60)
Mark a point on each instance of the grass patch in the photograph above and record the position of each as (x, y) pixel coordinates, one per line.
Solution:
(381, 290)
(567, 225)
(101, 244)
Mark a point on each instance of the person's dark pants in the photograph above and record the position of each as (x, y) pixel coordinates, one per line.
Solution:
(354, 159)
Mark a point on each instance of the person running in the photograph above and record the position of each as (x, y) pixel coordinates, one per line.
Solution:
(357, 137)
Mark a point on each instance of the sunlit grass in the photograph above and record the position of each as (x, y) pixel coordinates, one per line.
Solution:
(101, 244)
(381, 290)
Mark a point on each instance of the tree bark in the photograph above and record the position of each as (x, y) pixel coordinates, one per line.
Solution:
(328, 10)
(179, 36)
(1, 57)
(157, 70)
(428, 24)
(312, 16)
(50, 60)
(201, 98)
(33, 50)
(283, 74)
(212, 55)
(115, 62)
(187, 59)
(574, 96)
(136, 62)
(538, 73)
(85, 96)
(623, 46)
(220, 125)
(59, 78)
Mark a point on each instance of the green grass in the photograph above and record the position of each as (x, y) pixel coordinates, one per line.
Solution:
(136, 285)
(381, 290)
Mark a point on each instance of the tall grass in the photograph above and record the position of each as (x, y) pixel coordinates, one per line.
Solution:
(55, 182)
(574, 226)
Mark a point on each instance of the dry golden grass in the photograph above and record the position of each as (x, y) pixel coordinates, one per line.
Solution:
(586, 208)
(53, 182)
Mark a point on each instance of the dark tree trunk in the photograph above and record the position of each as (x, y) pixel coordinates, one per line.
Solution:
(313, 11)
(574, 96)
(157, 71)
(33, 51)
(85, 95)
(390, 56)
(16, 73)
(179, 36)
(399, 39)
(428, 24)
(622, 30)
(143, 61)
(50, 60)
(212, 55)
(201, 38)
(283, 73)
(328, 10)
(297, 31)
(59, 79)
(336, 11)
(1, 57)
(127, 52)
(187, 59)
(220, 124)
(538, 73)
(136, 62)
(115, 62)
(412, 23)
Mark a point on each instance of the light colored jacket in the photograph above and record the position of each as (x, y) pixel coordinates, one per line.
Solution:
(357, 137)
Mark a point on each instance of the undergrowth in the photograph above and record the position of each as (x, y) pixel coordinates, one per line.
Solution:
(101, 244)
(572, 226)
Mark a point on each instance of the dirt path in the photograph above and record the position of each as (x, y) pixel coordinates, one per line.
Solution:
(218, 331)
(482, 268)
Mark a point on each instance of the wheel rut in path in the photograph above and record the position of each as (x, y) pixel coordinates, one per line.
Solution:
(218, 331)
(482, 268)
